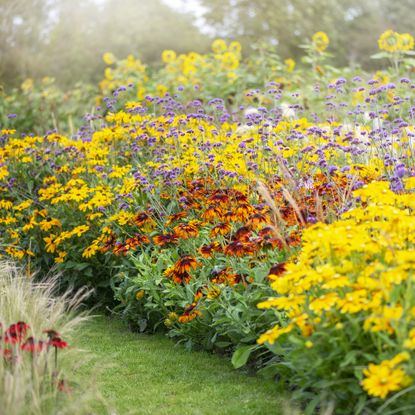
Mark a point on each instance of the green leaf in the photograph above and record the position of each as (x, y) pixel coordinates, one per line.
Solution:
(241, 356)
(349, 359)
(81, 266)
(361, 403)
(268, 372)
(310, 409)
(380, 55)
(222, 344)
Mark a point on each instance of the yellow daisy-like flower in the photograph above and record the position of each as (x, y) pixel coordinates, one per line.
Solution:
(90, 251)
(139, 294)
(320, 41)
(108, 58)
(230, 61)
(235, 48)
(324, 303)
(24, 205)
(213, 293)
(410, 342)
(407, 42)
(161, 90)
(61, 257)
(27, 85)
(273, 334)
(289, 64)
(109, 74)
(50, 243)
(5, 204)
(390, 41)
(168, 56)
(172, 316)
(219, 46)
(79, 230)
(382, 379)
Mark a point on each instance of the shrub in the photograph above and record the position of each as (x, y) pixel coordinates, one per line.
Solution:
(350, 306)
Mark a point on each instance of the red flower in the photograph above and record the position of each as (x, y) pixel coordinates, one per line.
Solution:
(142, 218)
(138, 239)
(177, 277)
(189, 313)
(226, 276)
(208, 250)
(16, 332)
(7, 354)
(58, 343)
(258, 219)
(187, 230)
(242, 234)
(30, 345)
(242, 212)
(19, 328)
(212, 213)
(63, 386)
(220, 229)
(185, 264)
(51, 333)
(219, 196)
(240, 197)
(175, 217)
(109, 243)
(277, 269)
(240, 249)
(165, 239)
(120, 248)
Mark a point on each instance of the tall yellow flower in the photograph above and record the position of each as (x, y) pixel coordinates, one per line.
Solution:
(168, 56)
(230, 61)
(407, 41)
(219, 46)
(390, 41)
(108, 58)
(320, 41)
(235, 48)
(386, 377)
(382, 379)
(289, 64)
(27, 85)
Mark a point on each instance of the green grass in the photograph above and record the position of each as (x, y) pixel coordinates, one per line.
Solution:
(148, 374)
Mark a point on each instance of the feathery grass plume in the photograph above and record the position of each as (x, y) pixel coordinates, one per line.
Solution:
(290, 190)
(284, 171)
(33, 381)
(319, 209)
(290, 199)
(278, 225)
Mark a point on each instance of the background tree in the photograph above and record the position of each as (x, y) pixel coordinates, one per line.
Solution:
(23, 29)
(353, 25)
(65, 39)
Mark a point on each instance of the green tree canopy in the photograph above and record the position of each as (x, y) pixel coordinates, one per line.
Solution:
(352, 25)
(65, 39)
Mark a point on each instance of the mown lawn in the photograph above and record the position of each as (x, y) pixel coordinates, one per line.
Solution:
(148, 374)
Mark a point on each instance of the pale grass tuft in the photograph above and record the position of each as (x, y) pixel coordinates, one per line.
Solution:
(319, 209)
(284, 171)
(290, 199)
(278, 227)
(28, 383)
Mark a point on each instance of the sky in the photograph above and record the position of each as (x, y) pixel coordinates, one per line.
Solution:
(187, 6)
(194, 7)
